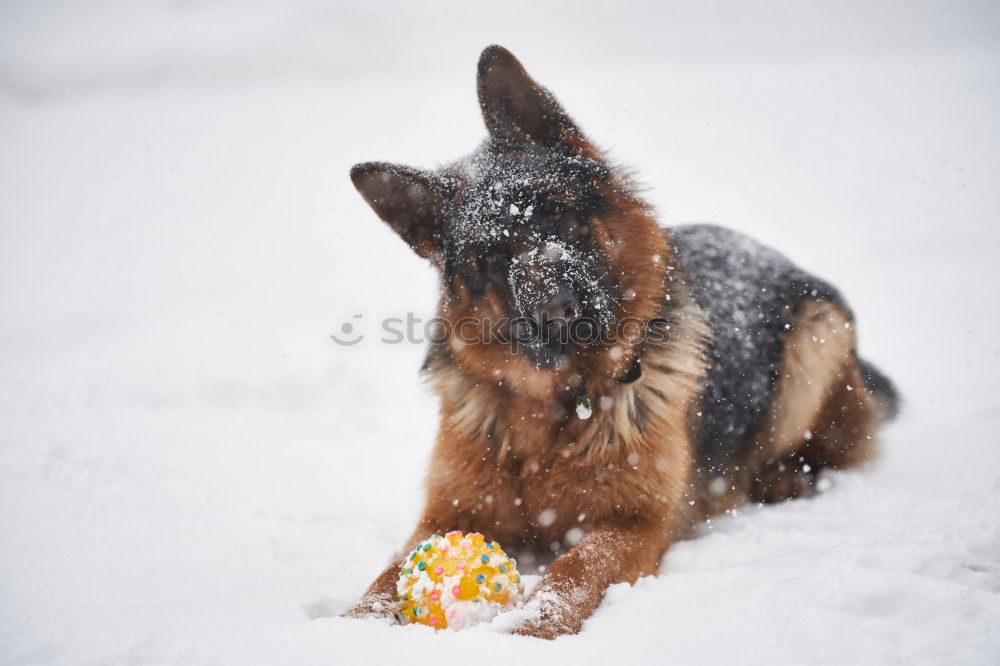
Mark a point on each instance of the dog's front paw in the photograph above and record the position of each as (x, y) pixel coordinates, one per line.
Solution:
(542, 628)
(374, 607)
(548, 617)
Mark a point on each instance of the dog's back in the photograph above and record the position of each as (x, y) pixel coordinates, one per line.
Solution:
(763, 312)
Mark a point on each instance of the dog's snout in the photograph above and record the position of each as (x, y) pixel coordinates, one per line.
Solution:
(560, 309)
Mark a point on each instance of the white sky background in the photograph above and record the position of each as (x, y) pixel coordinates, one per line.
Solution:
(187, 461)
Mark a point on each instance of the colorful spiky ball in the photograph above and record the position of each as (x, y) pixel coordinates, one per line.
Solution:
(455, 581)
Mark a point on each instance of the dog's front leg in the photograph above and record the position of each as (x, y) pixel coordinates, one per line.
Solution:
(576, 582)
(380, 598)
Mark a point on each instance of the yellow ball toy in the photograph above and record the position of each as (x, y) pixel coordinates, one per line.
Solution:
(456, 581)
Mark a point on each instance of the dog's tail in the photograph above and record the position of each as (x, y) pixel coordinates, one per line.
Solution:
(882, 389)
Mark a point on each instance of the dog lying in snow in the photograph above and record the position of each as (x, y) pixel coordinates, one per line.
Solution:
(624, 381)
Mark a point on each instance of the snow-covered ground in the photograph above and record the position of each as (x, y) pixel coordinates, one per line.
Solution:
(192, 472)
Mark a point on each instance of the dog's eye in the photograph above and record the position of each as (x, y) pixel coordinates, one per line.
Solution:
(554, 211)
(563, 222)
(489, 261)
(493, 258)
(571, 229)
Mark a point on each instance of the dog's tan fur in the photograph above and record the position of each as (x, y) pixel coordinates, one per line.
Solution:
(820, 343)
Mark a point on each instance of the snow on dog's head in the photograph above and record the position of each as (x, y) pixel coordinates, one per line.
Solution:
(542, 245)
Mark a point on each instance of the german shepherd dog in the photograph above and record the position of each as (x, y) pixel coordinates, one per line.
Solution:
(737, 381)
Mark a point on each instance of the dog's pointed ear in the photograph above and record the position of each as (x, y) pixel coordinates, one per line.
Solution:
(409, 200)
(518, 111)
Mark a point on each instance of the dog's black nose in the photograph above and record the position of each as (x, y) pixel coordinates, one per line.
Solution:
(561, 309)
